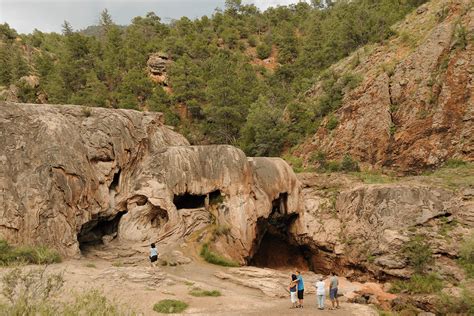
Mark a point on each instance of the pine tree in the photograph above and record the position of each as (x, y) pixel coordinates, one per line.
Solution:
(67, 28)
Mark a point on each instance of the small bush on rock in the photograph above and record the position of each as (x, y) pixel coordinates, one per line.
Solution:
(214, 258)
(170, 306)
(451, 305)
(419, 254)
(418, 284)
(348, 164)
(467, 256)
(264, 51)
(27, 254)
(200, 292)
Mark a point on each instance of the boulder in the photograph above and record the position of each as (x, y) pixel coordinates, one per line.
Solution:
(158, 64)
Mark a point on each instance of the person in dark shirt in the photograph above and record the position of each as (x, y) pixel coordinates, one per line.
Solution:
(292, 288)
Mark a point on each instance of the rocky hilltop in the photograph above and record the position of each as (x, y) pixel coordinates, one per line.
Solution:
(414, 107)
(75, 176)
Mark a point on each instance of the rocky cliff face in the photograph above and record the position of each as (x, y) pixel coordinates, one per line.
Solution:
(414, 108)
(75, 176)
(358, 228)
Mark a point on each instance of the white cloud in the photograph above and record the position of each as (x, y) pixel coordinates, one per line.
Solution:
(48, 15)
(264, 4)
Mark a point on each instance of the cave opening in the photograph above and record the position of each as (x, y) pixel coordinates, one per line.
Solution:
(189, 201)
(115, 181)
(274, 246)
(98, 231)
(192, 201)
(158, 217)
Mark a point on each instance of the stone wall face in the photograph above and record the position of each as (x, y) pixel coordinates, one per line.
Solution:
(357, 228)
(70, 172)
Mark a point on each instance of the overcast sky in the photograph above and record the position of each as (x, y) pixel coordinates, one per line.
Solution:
(48, 15)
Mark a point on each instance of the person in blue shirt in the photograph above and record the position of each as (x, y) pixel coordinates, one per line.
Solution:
(300, 287)
(153, 255)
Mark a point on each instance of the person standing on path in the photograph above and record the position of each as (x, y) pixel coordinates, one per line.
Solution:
(320, 293)
(333, 285)
(292, 288)
(300, 287)
(153, 255)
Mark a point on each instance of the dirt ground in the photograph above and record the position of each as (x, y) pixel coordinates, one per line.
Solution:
(139, 286)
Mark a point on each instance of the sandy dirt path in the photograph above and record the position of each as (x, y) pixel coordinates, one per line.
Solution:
(139, 287)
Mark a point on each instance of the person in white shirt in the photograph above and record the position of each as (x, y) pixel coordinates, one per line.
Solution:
(320, 293)
(153, 255)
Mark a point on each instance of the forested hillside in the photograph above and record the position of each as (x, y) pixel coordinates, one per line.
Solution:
(238, 74)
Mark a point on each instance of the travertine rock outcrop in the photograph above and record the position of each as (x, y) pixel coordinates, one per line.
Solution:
(74, 176)
(414, 108)
(355, 227)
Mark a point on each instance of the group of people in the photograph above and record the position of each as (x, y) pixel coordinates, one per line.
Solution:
(296, 288)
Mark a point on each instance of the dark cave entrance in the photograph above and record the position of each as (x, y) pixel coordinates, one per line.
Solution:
(274, 246)
(191, 201)
(93, 232)
(115, 181)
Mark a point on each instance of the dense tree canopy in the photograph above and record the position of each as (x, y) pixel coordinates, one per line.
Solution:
(217, 71)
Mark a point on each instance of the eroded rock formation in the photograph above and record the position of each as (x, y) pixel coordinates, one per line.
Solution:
(357, 228)
(158, 64)
(73, 176)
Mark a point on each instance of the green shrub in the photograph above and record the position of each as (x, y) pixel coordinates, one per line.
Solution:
(319, 158)
(460, 37)
(419, 254)
(27, 254)
(252, 40)
(28, 292)
(170, 306)
(214, 258)
(408, 39)
(200, 292)
(264, 51)
(93, 303)
(389, 68)
(451, 305)
(454, 163)
(351, 80)
(466, 255)
(333, 166)
(90, 265)
(418, 284)
(86, 111)
(443, 13)
(373, 177)
(393, 129)
(349, 164)
(295, 162)
(332, 123)
(33, 291)
(117, 264)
